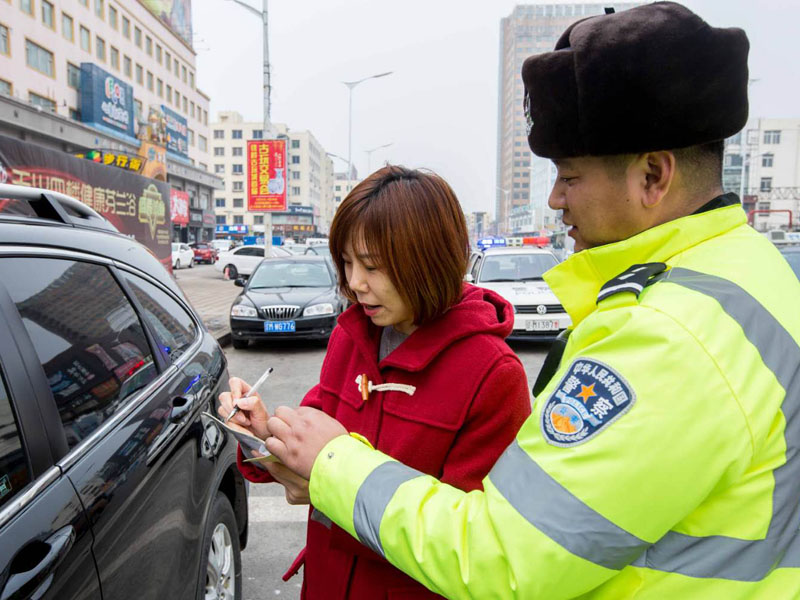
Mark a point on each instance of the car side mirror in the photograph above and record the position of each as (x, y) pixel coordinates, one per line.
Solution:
(238, 282)
(469, 278)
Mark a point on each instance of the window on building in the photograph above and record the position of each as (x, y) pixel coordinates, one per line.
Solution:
(177, 66)
(185, 105)
(159, 52)
(295, 144)
(148, 45)
(295, 191)
(183, 73)
(238, 219)
(191, 137)
(191, 79)
(100, 48)
(238, 203)
(160, 88)
(73, 76)
(219, 134)
(114, 57)
(766, 184)
(219, 202)
(219, 169)
(126, 27)
(5, 87)
(295, 160)
(149, 81)
(203, 166)
(238, 169)
(219, 151)
(137, 36)
(258, 134)
(86, 39)
(191, 109)
(139, 74)
(99, 8)
(238, 186)
(48, 15)
(202, 143)
(296, 175)
(38, 58)
(205, 117)
(236, 134)
(772, 136)
(766, 160)
(4, 43)
(26, 6)
(67, 28)
(168, 60)
(220, 219)
(177, 99)
(127, 64)
(237, 151)
(137, 110)
(42, 102)
(258, 219)
(169, 94)
(112, 16)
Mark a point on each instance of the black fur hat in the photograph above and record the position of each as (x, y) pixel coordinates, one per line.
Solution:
(655, 77)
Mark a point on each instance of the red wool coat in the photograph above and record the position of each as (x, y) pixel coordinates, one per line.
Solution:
(471, 398)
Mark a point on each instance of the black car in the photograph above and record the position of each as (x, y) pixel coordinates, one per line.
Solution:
(113, 484)
(286, 298)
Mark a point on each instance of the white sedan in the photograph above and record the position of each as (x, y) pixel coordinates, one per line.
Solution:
(242, 261)
(182, 256)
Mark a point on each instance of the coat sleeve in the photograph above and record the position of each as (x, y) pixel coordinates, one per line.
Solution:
(553, 521)
(496, 414)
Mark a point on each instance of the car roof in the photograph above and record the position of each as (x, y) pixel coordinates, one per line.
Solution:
(297, 258)
(515, 250)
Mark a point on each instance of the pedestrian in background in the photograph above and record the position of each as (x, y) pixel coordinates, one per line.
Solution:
(417, 367)
(662, 459)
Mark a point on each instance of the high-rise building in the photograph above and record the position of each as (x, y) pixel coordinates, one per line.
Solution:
(95, 75)
(530, 29)
(762, 165)
(309, 179)
(343, 185)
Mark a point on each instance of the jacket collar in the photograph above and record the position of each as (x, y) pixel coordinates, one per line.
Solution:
(577, 281)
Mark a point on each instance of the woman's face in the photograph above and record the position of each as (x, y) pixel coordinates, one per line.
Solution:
(374, 290)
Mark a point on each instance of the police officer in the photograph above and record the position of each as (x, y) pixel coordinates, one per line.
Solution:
(661, 460)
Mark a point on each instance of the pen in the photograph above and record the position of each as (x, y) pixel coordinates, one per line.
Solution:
(252, 391)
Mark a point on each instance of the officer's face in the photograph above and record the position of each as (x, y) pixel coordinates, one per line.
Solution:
(596, 202)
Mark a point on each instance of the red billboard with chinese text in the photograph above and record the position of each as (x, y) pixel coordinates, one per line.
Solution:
(179, 206)
(266, 175)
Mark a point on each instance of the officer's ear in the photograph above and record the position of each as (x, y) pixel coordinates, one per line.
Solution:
(654, 174)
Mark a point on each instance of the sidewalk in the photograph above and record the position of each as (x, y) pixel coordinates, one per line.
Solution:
(211, 297)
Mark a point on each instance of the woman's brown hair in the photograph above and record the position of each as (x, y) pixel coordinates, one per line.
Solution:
(414, 229)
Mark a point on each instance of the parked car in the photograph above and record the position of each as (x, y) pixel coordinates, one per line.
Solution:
(222, 245)
(516, 274)
(296, 249)
(286, 298)
(204, 252)
(241, 261)
(321, 250)
(182, 255)
(112, 479)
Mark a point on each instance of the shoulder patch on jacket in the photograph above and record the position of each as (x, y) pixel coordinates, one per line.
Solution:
(633, 280)
(589, 397)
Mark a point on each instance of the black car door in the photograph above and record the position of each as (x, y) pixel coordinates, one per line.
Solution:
(45, 538)
(116, 364)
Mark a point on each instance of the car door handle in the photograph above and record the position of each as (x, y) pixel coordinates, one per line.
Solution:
(31, 571)
(181, 406)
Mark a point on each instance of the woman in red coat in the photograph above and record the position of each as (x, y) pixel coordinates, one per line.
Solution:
(418, 366)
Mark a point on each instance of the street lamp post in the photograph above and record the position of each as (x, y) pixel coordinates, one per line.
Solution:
(350, 85)
(369, 155)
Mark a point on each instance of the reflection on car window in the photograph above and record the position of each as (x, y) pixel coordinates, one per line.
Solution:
(516, 267)
(87, 336)
(14, 474)
(173, 327)
(271, 274)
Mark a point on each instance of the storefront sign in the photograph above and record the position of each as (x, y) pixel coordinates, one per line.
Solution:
(135, 205)
(106, 101)
(195, 216)
(222, 229)
(179, 205)
(177, 132)
(123, 161)
(155, 158)
(266, 175)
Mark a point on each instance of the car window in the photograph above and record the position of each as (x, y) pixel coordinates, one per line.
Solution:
(173, 327)
(273, 273)
(14, 473)
(86, 334)
(176, 247)
(476, 267)
(516, 267)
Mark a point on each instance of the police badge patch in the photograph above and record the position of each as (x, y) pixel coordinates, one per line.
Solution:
(589, 397)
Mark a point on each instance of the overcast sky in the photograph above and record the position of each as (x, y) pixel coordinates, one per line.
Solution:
(439, 108)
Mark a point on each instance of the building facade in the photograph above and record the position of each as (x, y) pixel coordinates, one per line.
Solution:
(530, 29)
(309, 181)
(762, 165)
(100, 75)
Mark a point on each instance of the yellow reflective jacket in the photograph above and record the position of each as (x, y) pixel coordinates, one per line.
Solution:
(661, 460)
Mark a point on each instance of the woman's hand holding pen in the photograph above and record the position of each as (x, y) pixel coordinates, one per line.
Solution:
(252, 415)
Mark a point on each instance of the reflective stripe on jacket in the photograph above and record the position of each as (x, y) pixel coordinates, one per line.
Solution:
(692, 492)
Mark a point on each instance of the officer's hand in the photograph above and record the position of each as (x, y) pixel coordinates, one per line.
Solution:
(299, 435)
(296, 486)
(253, 416)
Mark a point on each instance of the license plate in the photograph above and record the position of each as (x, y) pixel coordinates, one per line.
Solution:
(280, 326)
(543, 325)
